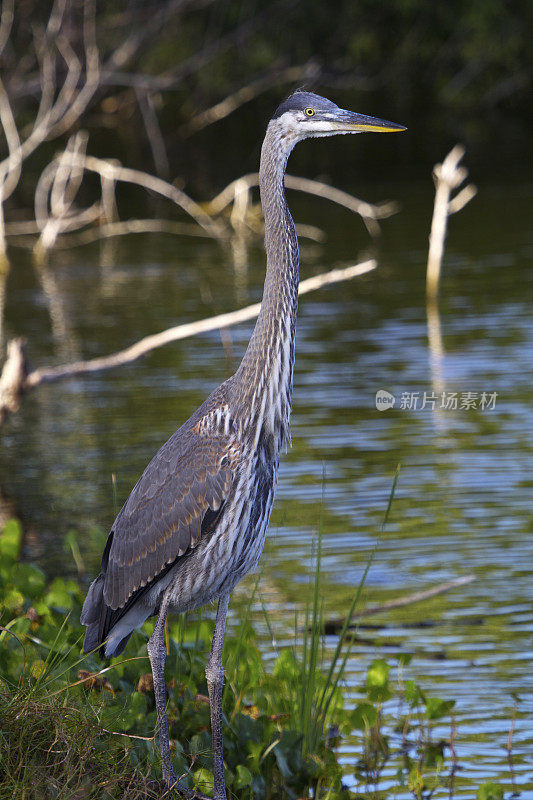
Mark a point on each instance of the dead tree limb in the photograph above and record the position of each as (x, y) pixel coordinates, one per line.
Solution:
(335, 625)
(14, 380)
(60, 180)
(370, 213)
(59, 108)
(154, 134)
(117, 172)
(149, 343)
(447, 177)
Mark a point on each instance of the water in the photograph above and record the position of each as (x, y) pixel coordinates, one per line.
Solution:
(463, 503)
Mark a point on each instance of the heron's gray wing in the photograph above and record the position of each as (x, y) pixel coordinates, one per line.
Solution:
(176, 501)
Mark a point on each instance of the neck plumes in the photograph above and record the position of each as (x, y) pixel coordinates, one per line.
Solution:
(265, 374)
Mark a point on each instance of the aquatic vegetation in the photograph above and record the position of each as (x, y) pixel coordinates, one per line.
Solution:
(74, 727)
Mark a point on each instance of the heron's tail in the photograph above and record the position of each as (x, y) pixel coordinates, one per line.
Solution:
(91, 614)
(108, 630)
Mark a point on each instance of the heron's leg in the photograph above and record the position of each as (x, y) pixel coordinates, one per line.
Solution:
(157, 652)
(215, 683)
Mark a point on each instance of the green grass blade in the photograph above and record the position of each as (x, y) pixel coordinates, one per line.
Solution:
(333, 680)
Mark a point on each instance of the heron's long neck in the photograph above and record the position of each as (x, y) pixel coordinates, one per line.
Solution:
(265, 374)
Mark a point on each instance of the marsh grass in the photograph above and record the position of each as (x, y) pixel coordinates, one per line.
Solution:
(71, 727)
(318, 673)
(52, 745)
(52, 749)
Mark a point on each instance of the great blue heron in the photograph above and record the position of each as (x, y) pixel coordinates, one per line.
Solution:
(196, 520)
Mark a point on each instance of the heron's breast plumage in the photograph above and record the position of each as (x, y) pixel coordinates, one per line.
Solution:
(222, 560)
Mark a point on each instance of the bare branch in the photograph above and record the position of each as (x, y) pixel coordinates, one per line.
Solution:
(370, 213)
(56, 17)
(58, 185)
(69, 174)
(153, 131)
(460, 200)
(26, 227)
(149, 343)
(70, 114)
(447, 176)
(6, 22)
(109, 200)
(69, 88)
(336, 625)
(22, 233)
(19, 232)
(117, 172)
(60, 181)
(47, 87)
(10, 167)
(304, 231)
(54, 116)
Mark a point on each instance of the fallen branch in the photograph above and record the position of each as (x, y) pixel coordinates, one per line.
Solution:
(14, 381)
(335, 625)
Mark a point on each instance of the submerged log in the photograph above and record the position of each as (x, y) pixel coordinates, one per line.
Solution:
(334, 626)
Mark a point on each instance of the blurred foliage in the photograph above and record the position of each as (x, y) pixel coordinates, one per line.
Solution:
(447, 70)
(73, 728)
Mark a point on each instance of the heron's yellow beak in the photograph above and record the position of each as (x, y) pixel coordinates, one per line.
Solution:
(359, 123)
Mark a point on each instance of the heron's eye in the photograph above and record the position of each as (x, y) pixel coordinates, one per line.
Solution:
(310, 112)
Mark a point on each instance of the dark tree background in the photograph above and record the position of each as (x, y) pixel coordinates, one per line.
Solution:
(451, 71)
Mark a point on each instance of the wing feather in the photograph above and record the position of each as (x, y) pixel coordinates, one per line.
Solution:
(189, 479)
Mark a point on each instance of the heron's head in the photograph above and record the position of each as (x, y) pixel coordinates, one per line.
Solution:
(305, 114)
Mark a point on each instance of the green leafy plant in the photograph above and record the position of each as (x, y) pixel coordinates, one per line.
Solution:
(72, 727)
